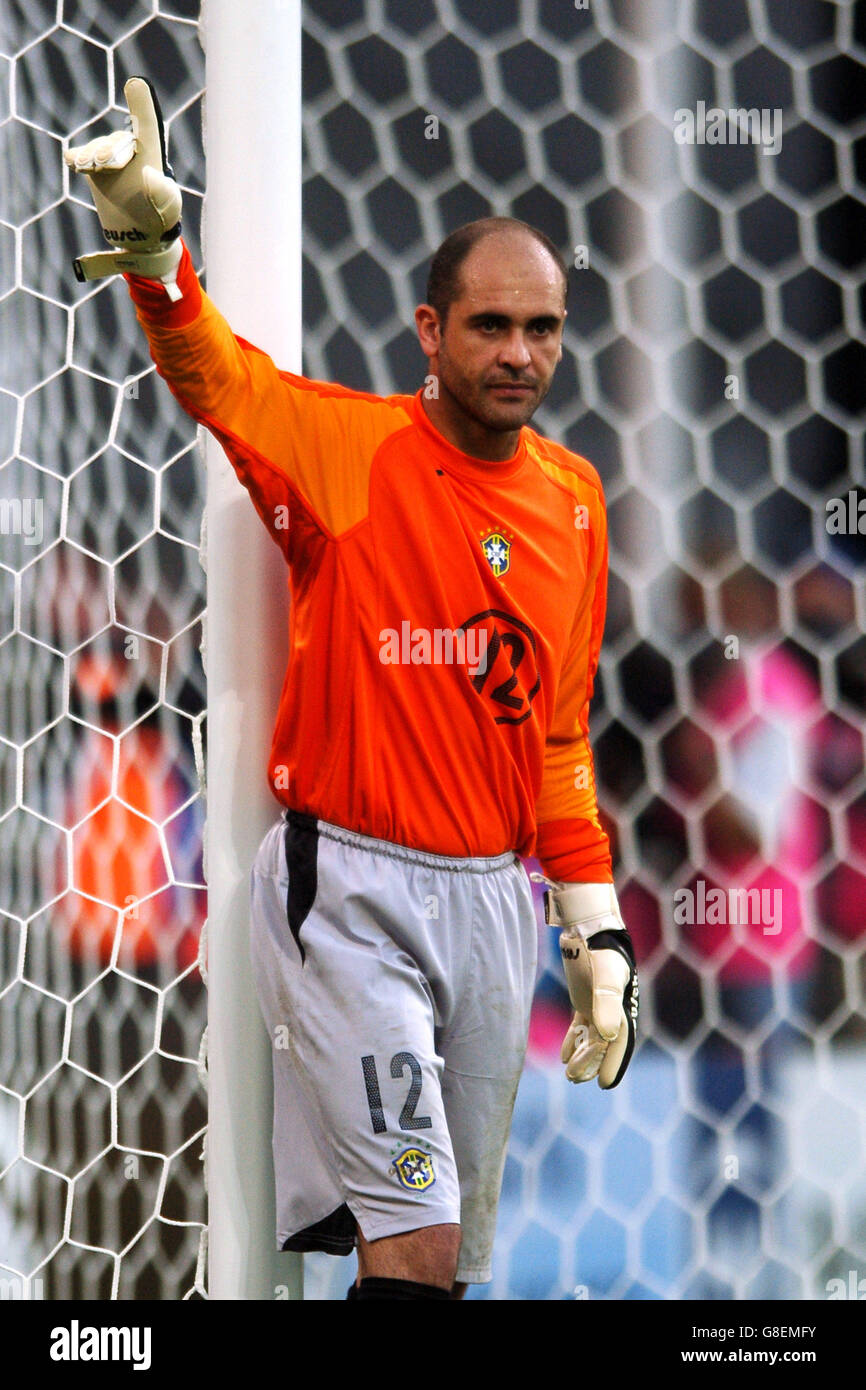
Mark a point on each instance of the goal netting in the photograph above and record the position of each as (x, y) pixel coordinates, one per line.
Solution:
(714, 375)
(102, 1110)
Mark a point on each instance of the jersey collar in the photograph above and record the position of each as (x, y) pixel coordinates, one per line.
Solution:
(465, 465)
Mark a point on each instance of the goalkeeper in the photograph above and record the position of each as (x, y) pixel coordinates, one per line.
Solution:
(447, 569)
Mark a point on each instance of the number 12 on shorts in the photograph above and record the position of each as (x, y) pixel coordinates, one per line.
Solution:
(399, 1063)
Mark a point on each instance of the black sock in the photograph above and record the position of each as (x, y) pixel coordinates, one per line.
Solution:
(353, 1291)
(398, 1288)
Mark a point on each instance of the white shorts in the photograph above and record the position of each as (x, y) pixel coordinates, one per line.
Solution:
(396, 987)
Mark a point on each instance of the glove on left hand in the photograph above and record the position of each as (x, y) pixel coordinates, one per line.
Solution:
(599, 963)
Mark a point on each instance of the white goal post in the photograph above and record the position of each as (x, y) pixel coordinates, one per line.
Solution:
(253, 259)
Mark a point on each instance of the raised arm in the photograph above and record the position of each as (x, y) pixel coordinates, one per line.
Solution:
(290, 440)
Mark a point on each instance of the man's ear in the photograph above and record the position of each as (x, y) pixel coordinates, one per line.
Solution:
(429, 328)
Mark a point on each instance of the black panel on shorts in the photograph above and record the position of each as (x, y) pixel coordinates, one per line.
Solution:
(301, 844)
(335, 1234)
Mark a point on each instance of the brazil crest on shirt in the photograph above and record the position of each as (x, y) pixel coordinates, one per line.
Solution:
(498, 552)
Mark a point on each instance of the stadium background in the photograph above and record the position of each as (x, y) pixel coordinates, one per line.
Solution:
(714, 375)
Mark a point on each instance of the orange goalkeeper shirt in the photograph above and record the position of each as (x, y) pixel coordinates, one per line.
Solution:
(446, 611)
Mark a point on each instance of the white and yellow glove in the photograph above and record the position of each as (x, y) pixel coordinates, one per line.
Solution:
(599, 963)
(135, 195)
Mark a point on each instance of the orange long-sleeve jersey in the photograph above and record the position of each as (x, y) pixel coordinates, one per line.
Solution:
(445, 614)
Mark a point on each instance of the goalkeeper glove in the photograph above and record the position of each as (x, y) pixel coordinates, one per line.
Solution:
(136, 197)
(599, 963)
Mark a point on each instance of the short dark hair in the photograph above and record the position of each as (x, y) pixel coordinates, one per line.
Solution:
(443, 282)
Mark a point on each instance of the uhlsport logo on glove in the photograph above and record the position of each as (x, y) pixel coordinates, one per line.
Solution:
(123, 234)
(136, 198)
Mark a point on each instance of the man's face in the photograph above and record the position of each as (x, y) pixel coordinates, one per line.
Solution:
(502, 336)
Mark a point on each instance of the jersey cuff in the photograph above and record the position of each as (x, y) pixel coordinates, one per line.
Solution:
(154, 305)
(574, 851)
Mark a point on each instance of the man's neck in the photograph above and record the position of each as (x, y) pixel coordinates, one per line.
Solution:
(467, 434)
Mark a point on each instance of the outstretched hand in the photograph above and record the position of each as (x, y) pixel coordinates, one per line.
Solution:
(136, 198)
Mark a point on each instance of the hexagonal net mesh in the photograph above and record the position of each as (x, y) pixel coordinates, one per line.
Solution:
(713, 374)
(102, 1011)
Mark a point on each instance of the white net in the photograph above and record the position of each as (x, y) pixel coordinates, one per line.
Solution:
(714, 370)
(101, 1011)
(714, 376)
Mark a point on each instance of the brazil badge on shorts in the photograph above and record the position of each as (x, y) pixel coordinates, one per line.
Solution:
(413, 1169)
